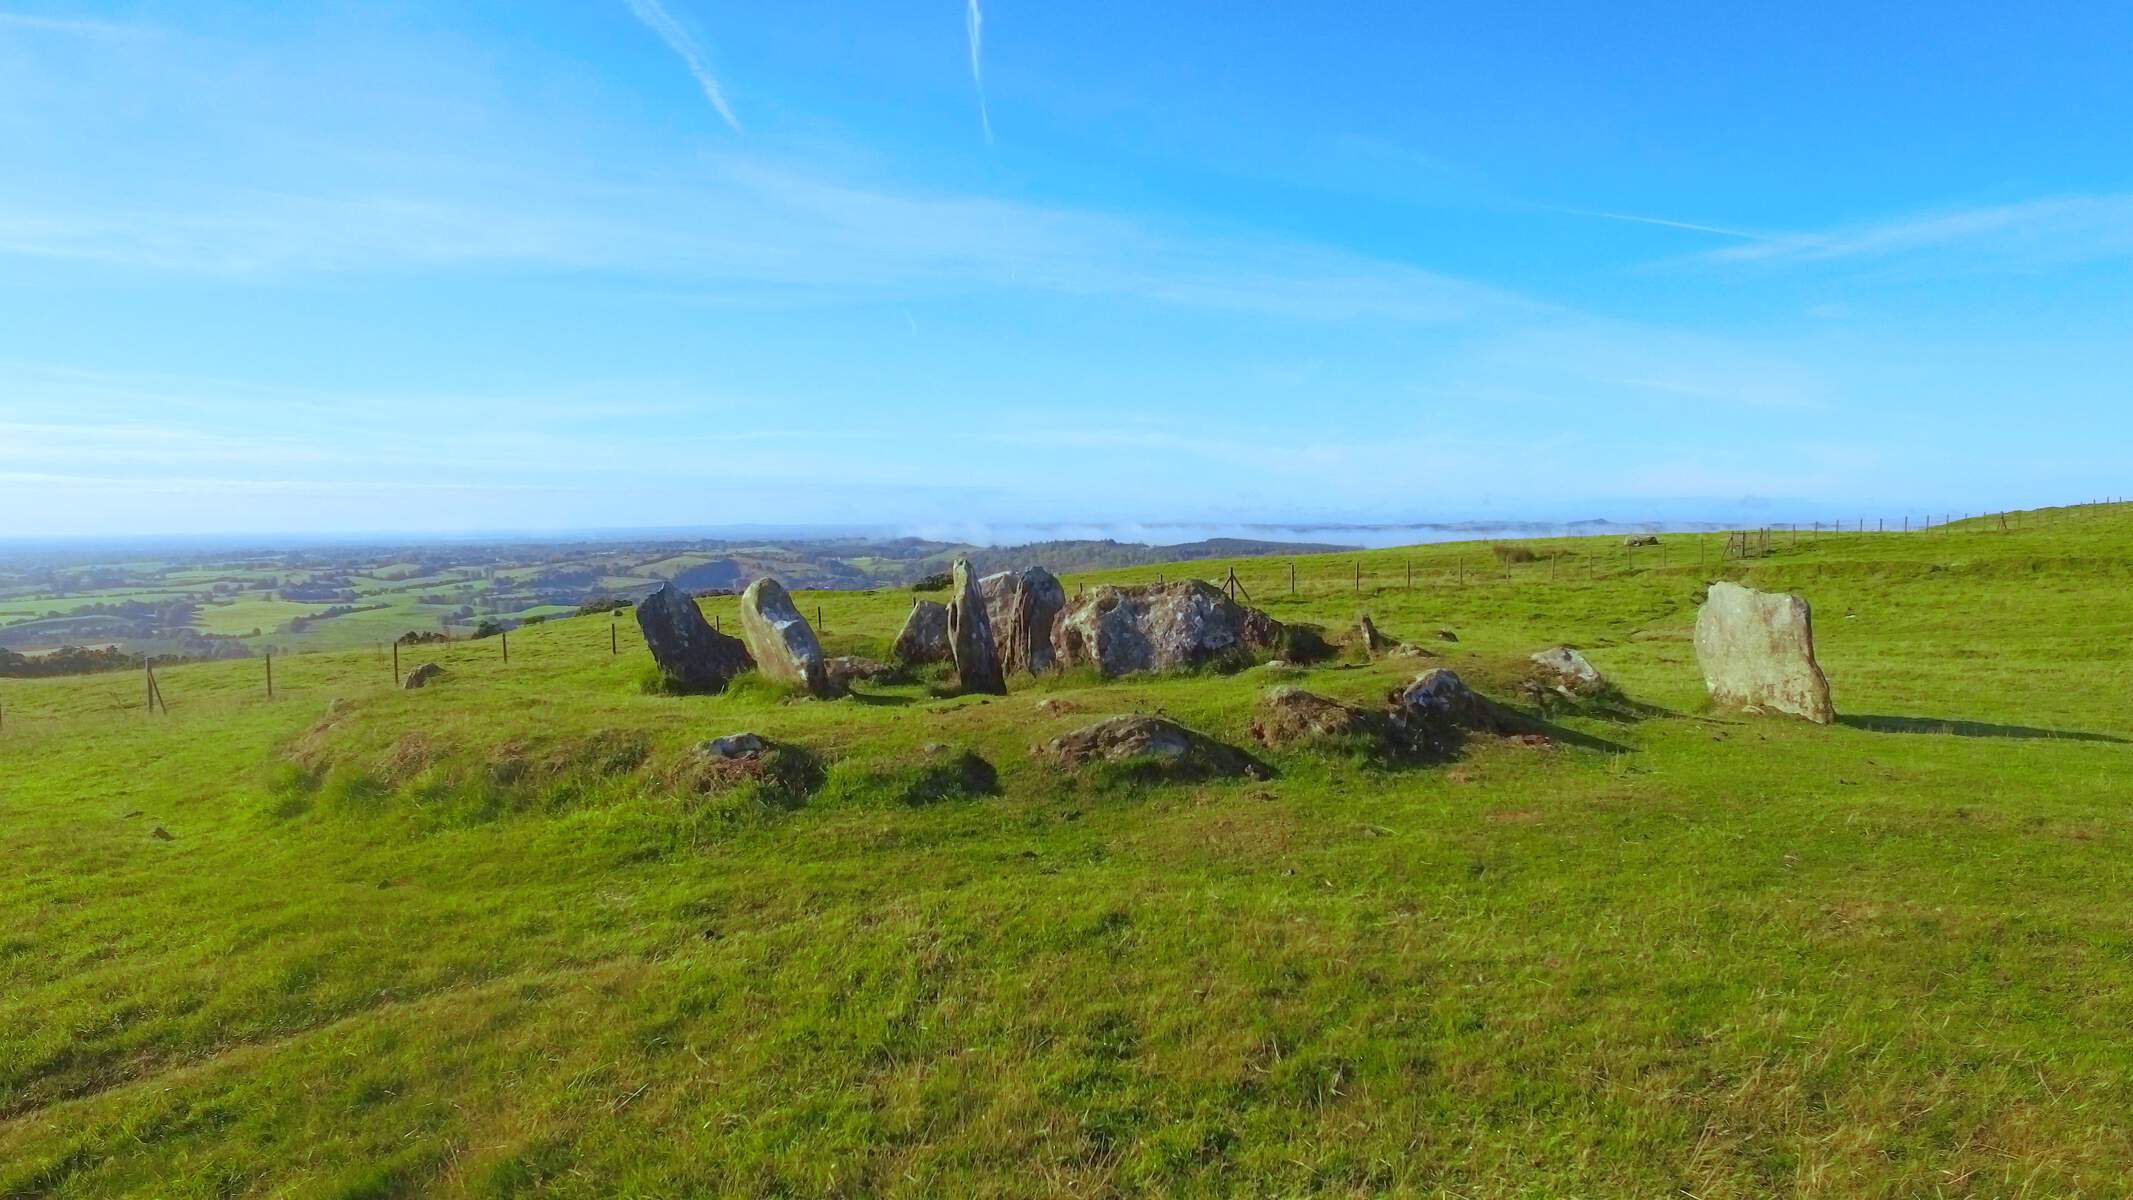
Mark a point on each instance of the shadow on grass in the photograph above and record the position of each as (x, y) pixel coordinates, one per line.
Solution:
(1568, 737)
(878, 700)
(1975, 729)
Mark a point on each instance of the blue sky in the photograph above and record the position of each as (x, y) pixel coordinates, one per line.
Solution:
(522, 265)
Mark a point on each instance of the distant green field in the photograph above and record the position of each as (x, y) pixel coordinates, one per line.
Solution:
(495, 938)
(249, 612)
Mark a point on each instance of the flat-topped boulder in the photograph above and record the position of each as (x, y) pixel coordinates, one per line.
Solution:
(1022, 606)
(970, 636)
(1158, 627)
(783, 644)
(687, 649)
(924, 637)
(422, 676)
(1757, 651)
(1164, 745)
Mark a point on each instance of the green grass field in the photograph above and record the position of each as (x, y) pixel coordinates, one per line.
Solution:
(494, 938)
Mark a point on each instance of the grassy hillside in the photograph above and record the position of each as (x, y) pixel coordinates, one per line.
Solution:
(498, 938)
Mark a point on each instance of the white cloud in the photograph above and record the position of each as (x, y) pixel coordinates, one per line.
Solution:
(974, 27)
(660, 21)
(2038, 232)
(74, 27)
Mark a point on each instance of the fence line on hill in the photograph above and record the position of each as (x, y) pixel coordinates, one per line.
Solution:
(1739, 545)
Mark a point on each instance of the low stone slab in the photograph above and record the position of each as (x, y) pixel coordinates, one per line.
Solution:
(1165, 745)
(1290, 716)
(422, 676)
(1757, 651)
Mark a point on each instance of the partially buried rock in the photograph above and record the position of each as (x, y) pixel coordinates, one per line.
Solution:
(924, 638)
(1641, 539)
(1021, 605)
(1436, 710)
(1289, 716)
(970, 638)
(779, 638)
(733, 745)
(1120, 630)
(1567, 671)
(1757, 650)
(687, 649)
(1164, 745)
(422, 676)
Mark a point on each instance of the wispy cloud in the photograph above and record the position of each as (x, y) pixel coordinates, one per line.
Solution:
(763, 234)
(74, 26)
(2053, 229)
(1662, 222)
(660, 21)
(974, 25)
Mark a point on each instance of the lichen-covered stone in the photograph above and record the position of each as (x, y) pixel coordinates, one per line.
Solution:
(782, 642)
(687, 649)
(1757, 650)
(1120, 630)
(970, 637)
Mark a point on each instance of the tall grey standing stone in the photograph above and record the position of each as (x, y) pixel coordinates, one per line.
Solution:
(1022, 606)
(977, 660)
(784, 645)
(687, 649)
(1757, 650)
(924, 637)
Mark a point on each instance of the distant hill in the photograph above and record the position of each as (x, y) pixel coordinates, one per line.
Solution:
(1064, 556)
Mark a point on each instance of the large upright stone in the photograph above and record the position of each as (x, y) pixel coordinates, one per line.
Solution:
(1757, 650)
(977, 658)
(687, 649)
(1022, 606)
(924, 637)
(784, 646)
(1160, 627)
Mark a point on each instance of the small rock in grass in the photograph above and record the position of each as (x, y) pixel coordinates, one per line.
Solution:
(161, 834)
(733, 745)
(422, 676)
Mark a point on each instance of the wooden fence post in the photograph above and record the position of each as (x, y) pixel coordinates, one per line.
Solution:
(270, 676)
(506, 637)
(614, 645)
(1292, 578)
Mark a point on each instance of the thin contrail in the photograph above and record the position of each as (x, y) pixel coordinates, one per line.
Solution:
(1634, 219)
(660, 21)
(974, 24)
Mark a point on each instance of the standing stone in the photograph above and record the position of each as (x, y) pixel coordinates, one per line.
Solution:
(1757, 650)
(1022, 606)
(687, 649)
(977, 661)
(784, 646)
(924, 638)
